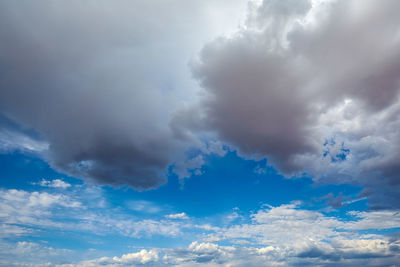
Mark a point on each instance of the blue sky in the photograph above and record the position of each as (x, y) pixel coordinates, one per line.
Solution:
(201, 133)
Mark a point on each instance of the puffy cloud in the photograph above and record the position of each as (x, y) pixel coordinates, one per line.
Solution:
(299, 74)
(99, 80)
(185, 169)
(188, 167)
(142, 256)
(366, 252)
(279, 225)
(181, 215)
(56, 183)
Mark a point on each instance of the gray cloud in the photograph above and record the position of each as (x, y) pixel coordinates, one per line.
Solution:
(79, 74)
(98, 81)
(300, 73)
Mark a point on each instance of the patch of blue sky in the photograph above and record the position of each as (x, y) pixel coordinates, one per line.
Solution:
(226, 183)
(24, 171)
(336, 151)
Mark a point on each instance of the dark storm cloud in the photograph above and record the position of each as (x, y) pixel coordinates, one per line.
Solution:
(298, 74)
(94, 79)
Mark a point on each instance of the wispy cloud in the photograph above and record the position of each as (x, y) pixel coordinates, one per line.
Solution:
(181, 215)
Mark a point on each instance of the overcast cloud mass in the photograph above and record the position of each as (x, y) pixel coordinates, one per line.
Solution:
(158, 94)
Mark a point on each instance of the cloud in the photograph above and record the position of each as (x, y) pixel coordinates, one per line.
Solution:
(185, 169)
(8, 230)
(295, 77)
(279, 225)
(192, 165)
(181, 215)
(14, 138)
(286, 235)
(56, 183)
(132, 259)
(143, 206)
(28, 254)
(210, 254)
(25, 213)
(99, 85)
(22, 211)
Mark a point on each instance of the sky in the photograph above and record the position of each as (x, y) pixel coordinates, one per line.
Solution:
(199, 133)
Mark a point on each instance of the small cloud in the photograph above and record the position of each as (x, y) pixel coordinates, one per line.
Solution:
(260, 170)
(185, 169)
(57, 183)
(181, 216)
(215, 147)
(143, 206)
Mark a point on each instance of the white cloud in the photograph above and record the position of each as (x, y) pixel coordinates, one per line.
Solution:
(8, 230)
(11, 140)
(31, 254)
(143, 206)
(184, 169)
(142, 256)
(23, 212)
(27, 209)
(56, 183)
(279, 236)
(181, 215)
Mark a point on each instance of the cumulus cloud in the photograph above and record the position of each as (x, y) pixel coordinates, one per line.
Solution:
(99, 80)
(301, 73)
(181, 215)
(185, 169)
(56, 183)
(365, 252)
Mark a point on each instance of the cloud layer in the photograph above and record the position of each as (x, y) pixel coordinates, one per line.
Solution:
(279, 236)
(284, 235)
